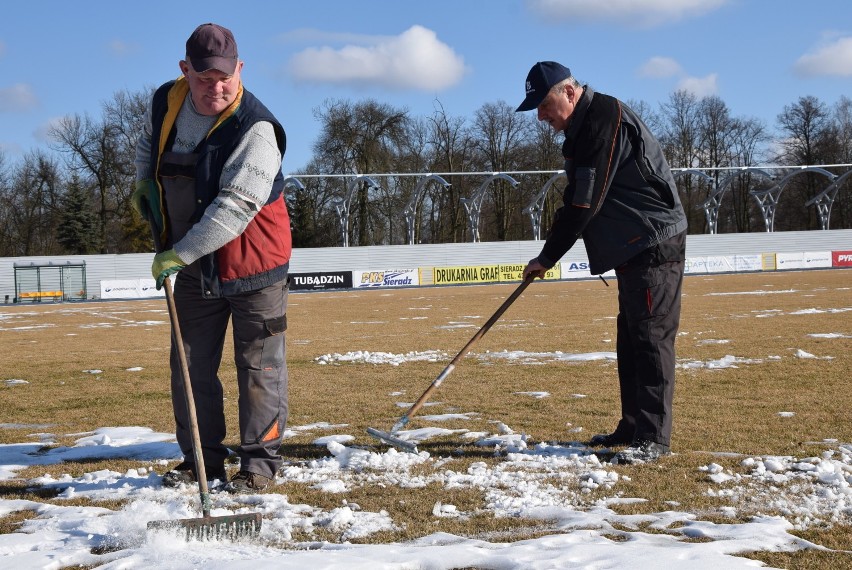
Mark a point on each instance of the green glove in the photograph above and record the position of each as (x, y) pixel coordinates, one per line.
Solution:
(146, 202)
(165, 263)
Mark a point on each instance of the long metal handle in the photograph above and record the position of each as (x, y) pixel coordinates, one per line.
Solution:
(451, 366)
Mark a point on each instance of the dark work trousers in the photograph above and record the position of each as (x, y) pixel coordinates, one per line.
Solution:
(259, 322)
(649, 290)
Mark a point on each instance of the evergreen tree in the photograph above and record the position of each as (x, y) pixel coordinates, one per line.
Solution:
(78, 222)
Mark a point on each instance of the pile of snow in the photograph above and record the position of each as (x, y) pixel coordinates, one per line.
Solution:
(367, 357)
(808, 491)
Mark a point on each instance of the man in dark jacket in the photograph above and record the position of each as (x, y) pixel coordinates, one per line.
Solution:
(622, 199)
(208, 170)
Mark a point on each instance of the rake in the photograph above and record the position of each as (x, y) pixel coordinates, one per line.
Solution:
(391, 437)
(206, 527)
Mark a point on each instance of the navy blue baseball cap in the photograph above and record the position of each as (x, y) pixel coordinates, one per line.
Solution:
(542, 76)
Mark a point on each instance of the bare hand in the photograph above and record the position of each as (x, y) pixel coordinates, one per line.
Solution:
(535, 269)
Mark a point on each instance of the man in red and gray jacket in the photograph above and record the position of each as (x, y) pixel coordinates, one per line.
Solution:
(209, 180)
(622, 199)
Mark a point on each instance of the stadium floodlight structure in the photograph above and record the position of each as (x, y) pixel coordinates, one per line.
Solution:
(294, 182)
(410, 211)
(473, 205)
(343, 205)
(535, 209)
(825, 199)
(768, 199)
(713, 203)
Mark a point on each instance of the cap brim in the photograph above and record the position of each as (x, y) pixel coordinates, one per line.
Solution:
(223, 64)
(531, 102)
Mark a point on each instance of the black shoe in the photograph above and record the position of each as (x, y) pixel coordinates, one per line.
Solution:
(184, 474)
(247, 482)
(608, 440)
(641, 452)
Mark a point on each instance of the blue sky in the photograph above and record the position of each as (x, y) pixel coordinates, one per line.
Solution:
(64, 58)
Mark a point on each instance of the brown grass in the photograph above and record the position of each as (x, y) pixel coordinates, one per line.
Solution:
(734, 410)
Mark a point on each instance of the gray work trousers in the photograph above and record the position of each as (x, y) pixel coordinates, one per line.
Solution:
(649, 291)
(259, 322)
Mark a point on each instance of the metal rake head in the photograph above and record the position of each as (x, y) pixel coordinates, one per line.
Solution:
(227, 527)
(393, 440)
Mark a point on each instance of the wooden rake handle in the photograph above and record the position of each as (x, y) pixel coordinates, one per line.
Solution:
(189, 399)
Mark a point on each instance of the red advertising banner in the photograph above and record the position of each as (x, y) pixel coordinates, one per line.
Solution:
(841, 258)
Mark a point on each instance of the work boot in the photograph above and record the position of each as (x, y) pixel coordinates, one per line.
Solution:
(641, 452)
(609, 440)
(247, 482)
(184, 474)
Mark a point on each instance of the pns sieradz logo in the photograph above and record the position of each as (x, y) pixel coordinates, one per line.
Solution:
(385, 278)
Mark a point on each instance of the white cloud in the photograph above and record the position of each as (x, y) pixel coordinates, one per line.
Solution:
(120, 48)
(18, 97)
(42, 133)
(665, 67)
(660, 67)
(833, 58)
(416, 59)
(642, 13)
(700, 86)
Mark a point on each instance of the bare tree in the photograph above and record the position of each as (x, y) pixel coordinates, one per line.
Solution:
(414, 156)
(312, 216)
(7, 233)
(843, 128)
(808, 140)
(363, 137)
(32, 207)
(499, 134)
(540, 150)
(85, 143)
(652, 119)
(841, 212)
(713, 150)
(680, 132)
(680, 139)
(452, 151)
(748, 138)
(124, 114)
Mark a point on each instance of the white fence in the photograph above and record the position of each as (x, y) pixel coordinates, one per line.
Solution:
(128, 276)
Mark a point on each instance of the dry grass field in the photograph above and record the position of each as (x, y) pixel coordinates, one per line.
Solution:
(767, 320)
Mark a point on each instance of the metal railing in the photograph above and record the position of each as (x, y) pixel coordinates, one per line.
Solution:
(767, 198)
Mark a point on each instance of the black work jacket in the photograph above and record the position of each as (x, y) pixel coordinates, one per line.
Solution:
(621, 196)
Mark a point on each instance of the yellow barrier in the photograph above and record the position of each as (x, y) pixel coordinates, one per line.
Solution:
(39, 295)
